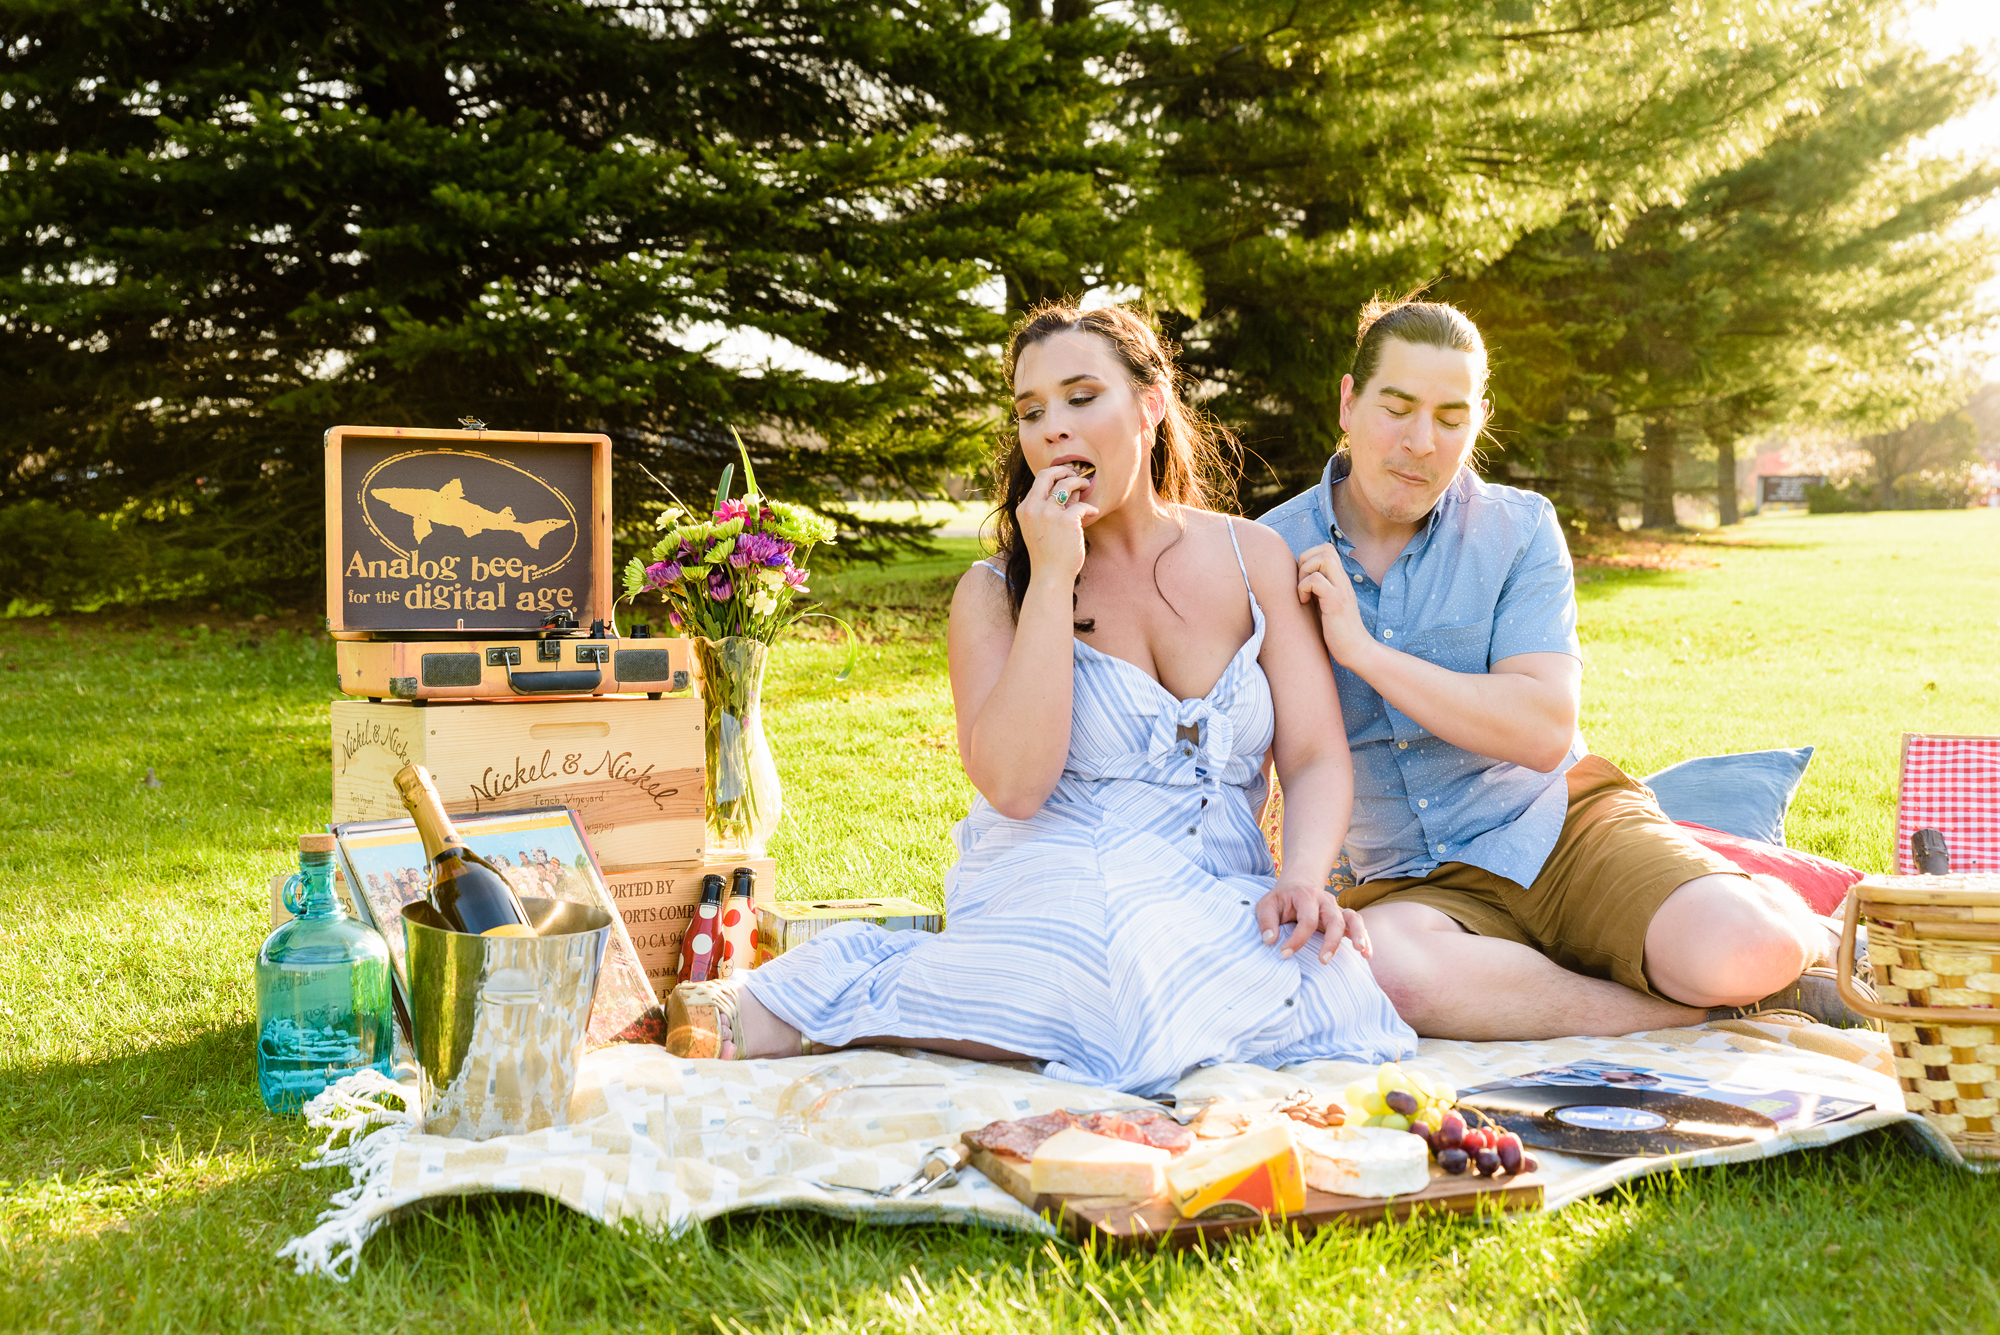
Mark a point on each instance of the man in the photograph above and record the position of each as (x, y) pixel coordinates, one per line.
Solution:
(1513, 886)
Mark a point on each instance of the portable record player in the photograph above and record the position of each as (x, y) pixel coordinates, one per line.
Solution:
(476, 565)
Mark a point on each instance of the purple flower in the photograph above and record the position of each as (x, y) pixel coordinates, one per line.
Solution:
(662, 573)
(719, 587)
(764, 550)
(737, 558)
(795, 576)
(674, 618)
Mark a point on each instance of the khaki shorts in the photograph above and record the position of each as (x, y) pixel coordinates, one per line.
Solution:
(1615, 863)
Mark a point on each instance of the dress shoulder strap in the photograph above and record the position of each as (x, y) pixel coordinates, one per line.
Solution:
(987, 565)
(1239, 556)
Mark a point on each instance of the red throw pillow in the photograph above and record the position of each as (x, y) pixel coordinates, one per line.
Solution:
(1821, 882)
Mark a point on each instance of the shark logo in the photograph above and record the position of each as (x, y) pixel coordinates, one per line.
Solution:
(447, 507)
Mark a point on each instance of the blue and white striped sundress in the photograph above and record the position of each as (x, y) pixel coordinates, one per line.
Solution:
(1112, 934)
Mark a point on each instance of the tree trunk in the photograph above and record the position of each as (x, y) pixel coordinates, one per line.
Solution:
(1656, 474)
(1725, 476)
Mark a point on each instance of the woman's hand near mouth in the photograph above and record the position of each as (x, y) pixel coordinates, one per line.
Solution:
(1053, 530)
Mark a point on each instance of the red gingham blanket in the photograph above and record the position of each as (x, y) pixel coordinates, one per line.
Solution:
(1951, 784)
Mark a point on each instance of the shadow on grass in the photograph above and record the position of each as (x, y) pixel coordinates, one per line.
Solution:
(70, 1118)
(1595, 582)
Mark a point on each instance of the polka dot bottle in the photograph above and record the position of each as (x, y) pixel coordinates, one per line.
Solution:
(739, 923)
(701, 947)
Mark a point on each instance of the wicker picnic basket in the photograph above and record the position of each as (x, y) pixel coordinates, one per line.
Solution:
(1934, 948)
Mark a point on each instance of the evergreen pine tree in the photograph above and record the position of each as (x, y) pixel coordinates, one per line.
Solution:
(1312, 157)
(1808, 284)
(231, 227)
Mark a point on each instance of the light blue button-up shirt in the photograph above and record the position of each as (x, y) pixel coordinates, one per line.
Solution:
(1486, 576)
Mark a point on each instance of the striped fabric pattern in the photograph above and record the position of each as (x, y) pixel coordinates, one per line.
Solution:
(1112, 934)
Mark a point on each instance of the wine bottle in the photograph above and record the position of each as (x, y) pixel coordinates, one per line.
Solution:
(701, 952)
(468, 892)
(739, 923)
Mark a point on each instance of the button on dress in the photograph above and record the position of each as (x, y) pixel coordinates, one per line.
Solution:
(1112, 934)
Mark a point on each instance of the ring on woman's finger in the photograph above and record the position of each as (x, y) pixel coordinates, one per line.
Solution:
(1062, 499)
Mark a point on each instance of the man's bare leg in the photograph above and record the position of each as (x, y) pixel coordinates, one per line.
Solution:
(1447, 983)
(1732, 941)
(769, 1036)
(1716, 941)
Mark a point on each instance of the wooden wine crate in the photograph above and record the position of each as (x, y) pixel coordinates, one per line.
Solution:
(657, 904)
(632, 768)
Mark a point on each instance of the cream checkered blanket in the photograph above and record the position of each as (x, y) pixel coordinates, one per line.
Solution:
(665, 1142)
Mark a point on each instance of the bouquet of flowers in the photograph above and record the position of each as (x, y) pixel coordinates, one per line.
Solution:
(737, 572)
(731, 582)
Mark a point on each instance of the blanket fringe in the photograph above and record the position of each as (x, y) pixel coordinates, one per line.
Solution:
(351, 1108)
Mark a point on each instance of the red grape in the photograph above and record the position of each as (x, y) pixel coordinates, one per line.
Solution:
(1401, 1102)
(1451, 1131)
(1509, 1150)
(1454, 1160)
(1488, 1162)
(1423, 1132)
(1477, 1139)
(1530, 1164)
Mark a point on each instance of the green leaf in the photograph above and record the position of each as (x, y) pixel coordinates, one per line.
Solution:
(853, 643)
(722, 488)
(749, 477)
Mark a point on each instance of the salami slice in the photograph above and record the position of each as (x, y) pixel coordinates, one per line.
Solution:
(1142, 1126)
(1021, 1138)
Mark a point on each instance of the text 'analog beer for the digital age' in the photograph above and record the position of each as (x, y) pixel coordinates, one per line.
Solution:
(466, 890)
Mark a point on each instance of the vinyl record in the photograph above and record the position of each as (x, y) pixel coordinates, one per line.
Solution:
(1617, 1123)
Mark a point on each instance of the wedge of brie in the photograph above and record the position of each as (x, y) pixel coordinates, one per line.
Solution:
(1363, 1160)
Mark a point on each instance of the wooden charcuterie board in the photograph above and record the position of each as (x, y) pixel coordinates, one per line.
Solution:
(1156, 1223)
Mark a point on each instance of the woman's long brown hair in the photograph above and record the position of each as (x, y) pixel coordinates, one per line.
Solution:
(1188, 465)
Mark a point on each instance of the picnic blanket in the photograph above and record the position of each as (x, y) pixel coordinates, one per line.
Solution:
(666, 1142)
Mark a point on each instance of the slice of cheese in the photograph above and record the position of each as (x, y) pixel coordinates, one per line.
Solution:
(1364, 1161)
(1258, 1171)
(1083, 1163)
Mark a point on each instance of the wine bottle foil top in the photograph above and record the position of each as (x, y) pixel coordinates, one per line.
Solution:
(412, 780)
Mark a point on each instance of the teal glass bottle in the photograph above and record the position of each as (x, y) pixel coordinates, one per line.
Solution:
(322, 990)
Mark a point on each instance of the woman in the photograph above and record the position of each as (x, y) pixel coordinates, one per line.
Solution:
(1113, 911)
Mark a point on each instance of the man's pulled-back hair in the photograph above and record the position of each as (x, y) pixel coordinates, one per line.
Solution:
(1426, 324)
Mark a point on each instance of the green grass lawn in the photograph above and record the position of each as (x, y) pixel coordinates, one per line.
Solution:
(142, 1186)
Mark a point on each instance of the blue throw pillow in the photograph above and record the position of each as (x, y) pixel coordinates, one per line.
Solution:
(1745, 794)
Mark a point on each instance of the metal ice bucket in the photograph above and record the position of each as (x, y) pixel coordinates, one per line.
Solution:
(500, 1020)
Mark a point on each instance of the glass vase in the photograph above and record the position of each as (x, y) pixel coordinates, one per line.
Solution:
(741, 793)
(323, 1008)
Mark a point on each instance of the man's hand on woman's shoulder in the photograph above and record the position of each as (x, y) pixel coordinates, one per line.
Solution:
(1323, 582)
